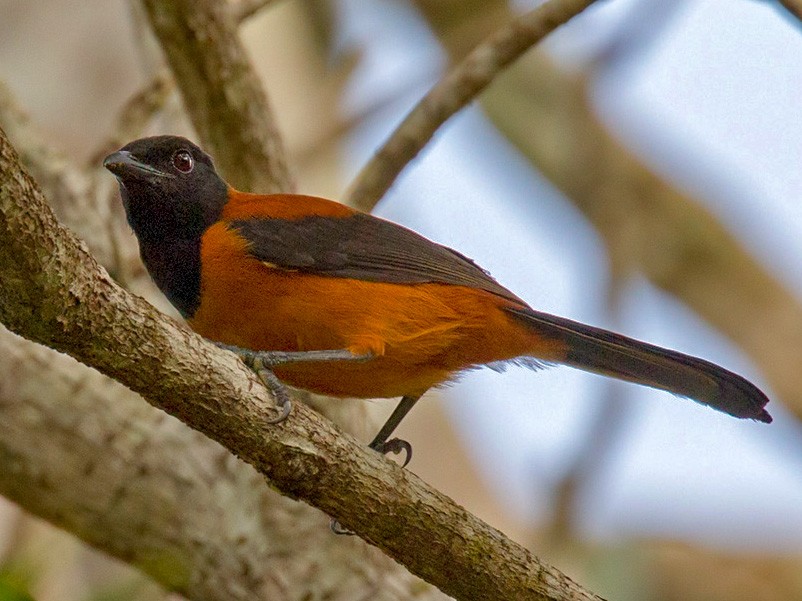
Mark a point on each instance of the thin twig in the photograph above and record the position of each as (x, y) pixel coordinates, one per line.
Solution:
(794, 7)
(242, 10)
(453, 92)
(136, 114)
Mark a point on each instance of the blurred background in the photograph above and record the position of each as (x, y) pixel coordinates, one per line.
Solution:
(641, 172)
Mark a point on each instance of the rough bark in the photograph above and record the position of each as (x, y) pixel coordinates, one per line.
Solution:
(92, 457)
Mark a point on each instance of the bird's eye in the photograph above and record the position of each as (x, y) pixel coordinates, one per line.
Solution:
(182, 161)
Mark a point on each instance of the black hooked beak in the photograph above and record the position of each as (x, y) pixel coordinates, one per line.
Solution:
(123, 164)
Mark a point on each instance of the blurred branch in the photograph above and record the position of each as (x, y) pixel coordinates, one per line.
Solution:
(70, 188)
(87, 454)
(55, 293)
(136, 114)
(454, 91)
(222, 94)
(245, 9)
(274, 562)
(794, 7)
(648, 224)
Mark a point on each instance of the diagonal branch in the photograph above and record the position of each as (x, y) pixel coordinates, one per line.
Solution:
(456, 90)
(794, 7)
(238, 539)
(55, 293)
(87, 454)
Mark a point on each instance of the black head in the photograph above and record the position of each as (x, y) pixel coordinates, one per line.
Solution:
(169, 187)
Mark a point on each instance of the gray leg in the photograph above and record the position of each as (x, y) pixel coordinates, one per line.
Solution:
(263, 362)
(382, 441)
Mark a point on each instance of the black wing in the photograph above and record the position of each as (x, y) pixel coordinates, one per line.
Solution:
(362, 247)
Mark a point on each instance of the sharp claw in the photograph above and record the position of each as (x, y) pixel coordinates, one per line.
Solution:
(276, 387)
(285, 408)
(395, 446)
(338, 529)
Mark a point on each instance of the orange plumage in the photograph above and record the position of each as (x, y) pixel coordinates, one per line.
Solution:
(421, 335)
(298, 273)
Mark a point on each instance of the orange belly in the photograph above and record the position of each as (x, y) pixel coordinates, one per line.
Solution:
(419, 335)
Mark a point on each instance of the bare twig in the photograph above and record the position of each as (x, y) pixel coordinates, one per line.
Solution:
(136, 114)
(54, 293)
(243, 10)
(458, 88)
(794, 7)
(222, 94)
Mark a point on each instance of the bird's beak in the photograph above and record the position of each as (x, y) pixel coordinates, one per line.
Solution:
(122, 163)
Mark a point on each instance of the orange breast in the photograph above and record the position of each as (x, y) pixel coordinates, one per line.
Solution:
(421, 335)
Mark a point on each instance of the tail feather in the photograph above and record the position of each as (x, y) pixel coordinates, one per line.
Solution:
(604, 352)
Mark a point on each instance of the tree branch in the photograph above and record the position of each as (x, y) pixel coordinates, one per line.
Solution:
(222, 94)
(89, 455)
(55, 293)
(245, 9)
(794, 7)
(453, 92)
(59, 416)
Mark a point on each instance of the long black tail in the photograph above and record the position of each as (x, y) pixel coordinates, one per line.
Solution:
(610, 354)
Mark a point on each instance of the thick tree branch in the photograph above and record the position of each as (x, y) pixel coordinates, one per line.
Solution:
(56, 294)
(453, 92)
(222, 94)
(89, 455)
(59, 416)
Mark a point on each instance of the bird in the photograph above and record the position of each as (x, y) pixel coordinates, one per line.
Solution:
(322, 297)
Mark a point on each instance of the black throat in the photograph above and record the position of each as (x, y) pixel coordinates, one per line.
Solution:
(170, 228)
(175, 266)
